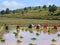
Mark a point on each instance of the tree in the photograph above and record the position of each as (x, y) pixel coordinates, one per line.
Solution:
(25, 8)
(44, 6)
(2, 12)
(39, 7)
(7, 11)
(14, 11)
(30, 8)
(35, 8)
(52, 8)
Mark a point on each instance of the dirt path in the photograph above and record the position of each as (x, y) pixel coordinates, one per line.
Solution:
(1, 28)
(2, 31)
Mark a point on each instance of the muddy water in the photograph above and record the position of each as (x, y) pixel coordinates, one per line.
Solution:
(42, 39)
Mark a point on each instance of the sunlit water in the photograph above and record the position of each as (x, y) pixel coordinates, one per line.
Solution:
(42, 39)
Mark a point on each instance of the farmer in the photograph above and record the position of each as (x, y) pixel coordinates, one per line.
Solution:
(6, 27)
(38, 27)
(30, 28)
(55, 26)
(45, 26)
(18, 28)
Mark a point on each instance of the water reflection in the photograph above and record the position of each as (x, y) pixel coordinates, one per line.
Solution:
(43, 39)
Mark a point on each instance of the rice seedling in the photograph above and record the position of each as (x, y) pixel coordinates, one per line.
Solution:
(18, 41)
(33, 38)
(30, 31)
(21, 37)
(16, 34)
(2, 40)
(26, 29)
(22, 29)
(53, 44)
(37, 34)
(58, 35)
(31, 44)
(53, 40)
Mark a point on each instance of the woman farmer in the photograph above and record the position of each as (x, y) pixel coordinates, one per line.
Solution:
(18, 28)
(55, 26)
(45, 28)
(30, 28)
(38, 27)
(6, 27)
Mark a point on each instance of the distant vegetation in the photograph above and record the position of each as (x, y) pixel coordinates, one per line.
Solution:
(52, 12)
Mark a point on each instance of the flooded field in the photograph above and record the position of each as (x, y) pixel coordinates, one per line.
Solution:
(27, 38)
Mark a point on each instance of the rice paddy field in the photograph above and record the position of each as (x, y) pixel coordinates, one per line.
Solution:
(21, 14)
(27, 37)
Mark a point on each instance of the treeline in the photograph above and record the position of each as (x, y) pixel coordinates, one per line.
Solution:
(50, 8)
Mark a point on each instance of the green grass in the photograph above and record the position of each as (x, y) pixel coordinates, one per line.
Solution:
(1, 38)
(33, 14)
(26, 22)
